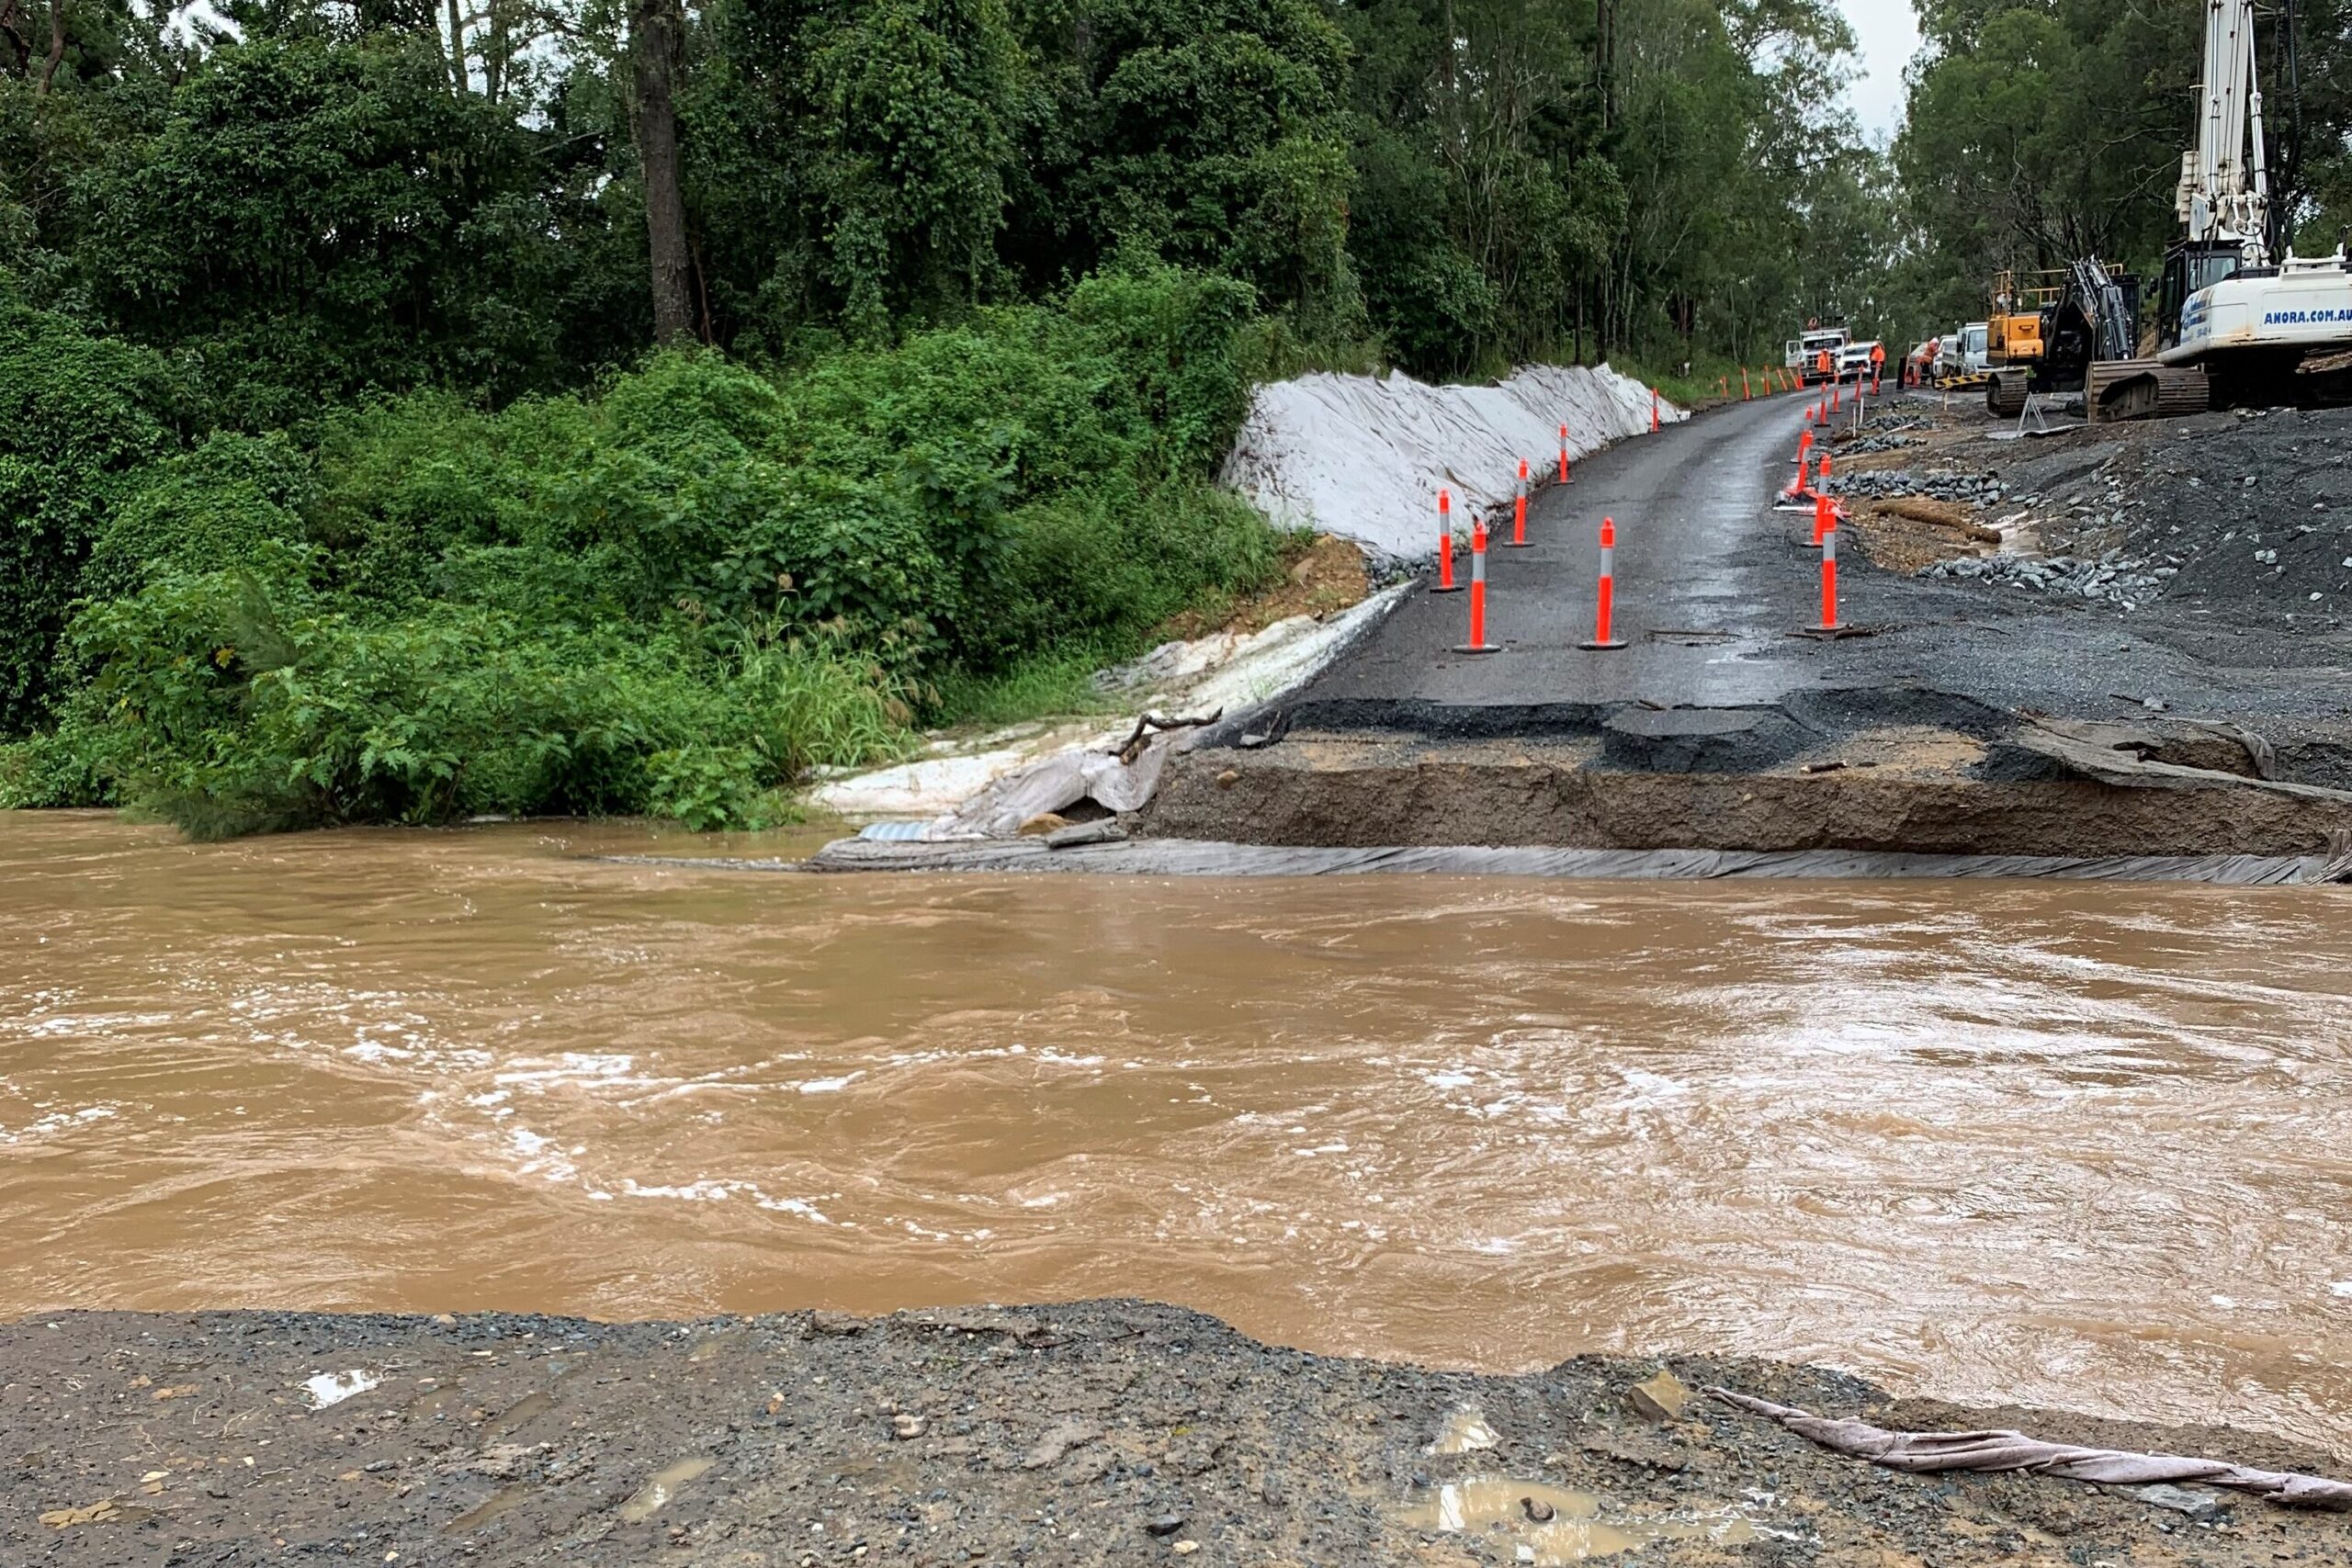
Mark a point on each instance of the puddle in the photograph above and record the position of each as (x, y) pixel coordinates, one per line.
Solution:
(1466, 1432)
(481, 1513)
(533, 1405)
(333, 1388)
(661, 1486)
(1552, 1525)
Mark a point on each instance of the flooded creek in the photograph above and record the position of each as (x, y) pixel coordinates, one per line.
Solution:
(2080, 1146)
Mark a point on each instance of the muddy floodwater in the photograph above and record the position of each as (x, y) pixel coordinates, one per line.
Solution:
(2067, 1144)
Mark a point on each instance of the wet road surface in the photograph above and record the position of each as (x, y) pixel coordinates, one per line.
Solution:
(1712, 580)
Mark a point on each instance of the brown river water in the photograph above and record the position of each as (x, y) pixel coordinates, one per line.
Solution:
(2081, 1145)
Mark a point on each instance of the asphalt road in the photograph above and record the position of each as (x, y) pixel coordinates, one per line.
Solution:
(1711, 583)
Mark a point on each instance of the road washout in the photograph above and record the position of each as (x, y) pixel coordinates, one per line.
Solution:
(2059, 648)
(1106, 1432)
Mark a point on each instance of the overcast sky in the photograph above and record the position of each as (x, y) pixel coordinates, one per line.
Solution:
(1887, 32)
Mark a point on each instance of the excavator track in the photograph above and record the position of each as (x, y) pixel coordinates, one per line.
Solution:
(2143, 389)
(2006, 393)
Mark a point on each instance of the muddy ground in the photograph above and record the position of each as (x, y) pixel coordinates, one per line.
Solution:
(1112, 1432)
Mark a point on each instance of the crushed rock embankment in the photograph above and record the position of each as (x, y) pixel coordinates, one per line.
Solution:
(1106, 1433)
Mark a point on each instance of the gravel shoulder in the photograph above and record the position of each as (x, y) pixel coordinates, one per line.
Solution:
(1108, 1432)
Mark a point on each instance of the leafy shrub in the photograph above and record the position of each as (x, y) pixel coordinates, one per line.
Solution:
(677, 596)
(259, 701)
(80, 416)
(210, 507)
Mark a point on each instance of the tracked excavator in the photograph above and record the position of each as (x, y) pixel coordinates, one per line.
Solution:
(2088, 322)
(2234, 323)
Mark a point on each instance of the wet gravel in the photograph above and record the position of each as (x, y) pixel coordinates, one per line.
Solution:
(1107, 1433)
(1882, 484)
(2245, 516)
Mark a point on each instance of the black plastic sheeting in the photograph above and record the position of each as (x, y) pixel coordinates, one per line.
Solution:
(1180, 857)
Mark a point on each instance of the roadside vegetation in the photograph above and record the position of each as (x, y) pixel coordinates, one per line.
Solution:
(408, 413)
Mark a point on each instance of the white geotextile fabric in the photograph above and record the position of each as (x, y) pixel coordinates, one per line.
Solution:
(1924, 1453)
(1365, 457)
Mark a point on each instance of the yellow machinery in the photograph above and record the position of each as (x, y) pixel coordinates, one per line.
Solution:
(2019, 300)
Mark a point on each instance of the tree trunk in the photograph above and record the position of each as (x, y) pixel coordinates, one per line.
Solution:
(656, 36)
(496, 52)
(56, 47)
(12, 23)
(457, 51)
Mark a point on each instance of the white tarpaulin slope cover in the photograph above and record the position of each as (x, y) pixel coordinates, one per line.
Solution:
(1363, 457)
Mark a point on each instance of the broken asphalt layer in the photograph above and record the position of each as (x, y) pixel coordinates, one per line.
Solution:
(1965, 720)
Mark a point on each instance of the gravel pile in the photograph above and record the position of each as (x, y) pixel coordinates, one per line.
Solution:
(2113, 578)
(1880, 433)
(2244, 518)
(1968, 489)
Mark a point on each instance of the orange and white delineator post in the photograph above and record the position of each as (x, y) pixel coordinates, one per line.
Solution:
(1829, 573)
(1564, 454)
(1653, 419)
(1446, 583)
(1800, 487)
(1747, 388)
(1478, 643)
(1519, 509)
(1826, 510)
(1604, 625)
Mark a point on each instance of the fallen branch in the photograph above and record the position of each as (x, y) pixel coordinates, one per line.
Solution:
(1133, 745)
(1930, 1453)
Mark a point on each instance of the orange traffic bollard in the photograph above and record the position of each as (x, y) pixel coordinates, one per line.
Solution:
(1829, 578)
(1478, 643)
(1604, 638)
(1800, 487)
(1564, 454)
(1746, 389)
(1519, 509)
(1654, 421)
(1446, 583)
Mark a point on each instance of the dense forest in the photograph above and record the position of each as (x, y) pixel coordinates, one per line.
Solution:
(539, 405)
(410, 411)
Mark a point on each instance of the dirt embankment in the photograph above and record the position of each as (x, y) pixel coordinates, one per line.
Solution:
(1098, 1434)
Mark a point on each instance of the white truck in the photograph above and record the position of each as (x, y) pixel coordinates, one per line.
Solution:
(1804, 355)
(1965, 352)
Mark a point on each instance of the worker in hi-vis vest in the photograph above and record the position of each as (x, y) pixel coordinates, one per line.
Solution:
(1823, 368)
